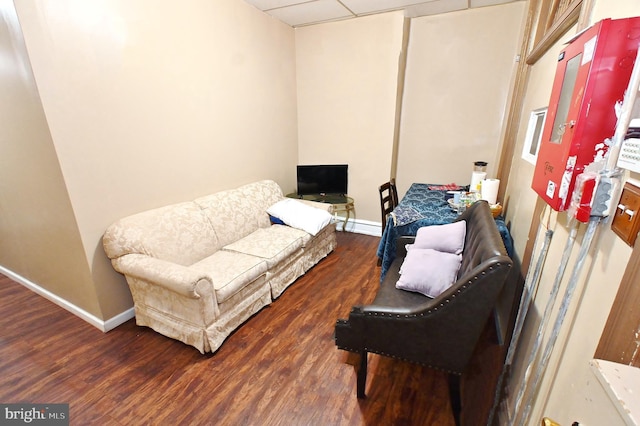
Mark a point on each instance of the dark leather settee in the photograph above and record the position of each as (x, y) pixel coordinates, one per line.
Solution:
(439, 332)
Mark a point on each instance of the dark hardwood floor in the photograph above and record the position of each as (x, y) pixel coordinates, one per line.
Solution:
(280, 368)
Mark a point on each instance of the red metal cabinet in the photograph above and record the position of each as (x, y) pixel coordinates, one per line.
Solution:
(592, 74)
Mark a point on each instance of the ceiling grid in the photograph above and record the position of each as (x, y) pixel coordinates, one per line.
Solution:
(298, 13)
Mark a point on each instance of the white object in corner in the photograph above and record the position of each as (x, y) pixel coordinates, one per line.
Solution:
(622, 383)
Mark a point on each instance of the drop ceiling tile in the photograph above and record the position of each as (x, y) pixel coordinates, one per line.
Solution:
(435, 7)
(273, 4)
(311, 12)
(362, 7)
(303, 12)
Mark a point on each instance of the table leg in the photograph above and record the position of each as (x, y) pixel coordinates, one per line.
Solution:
(346, 219)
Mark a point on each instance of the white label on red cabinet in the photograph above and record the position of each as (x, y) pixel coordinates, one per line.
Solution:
(551, 189)
(589, 49)
(567, 176)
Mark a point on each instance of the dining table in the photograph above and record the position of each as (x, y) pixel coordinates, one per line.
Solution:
(424, 205)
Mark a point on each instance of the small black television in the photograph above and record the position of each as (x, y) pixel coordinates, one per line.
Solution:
(323, 179)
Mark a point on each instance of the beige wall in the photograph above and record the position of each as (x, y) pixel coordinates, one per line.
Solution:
(39, 237)
(347, 78)
(347, 75)
(146, 104)
(457, 84)
(569, 391)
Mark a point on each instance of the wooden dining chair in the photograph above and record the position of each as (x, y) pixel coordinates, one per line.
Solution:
(388, 200)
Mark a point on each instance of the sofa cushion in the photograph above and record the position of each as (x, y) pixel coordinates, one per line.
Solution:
(447, 238)
(273, 244)
(231, 271)
(428, 271)
(300, 215)
(177, 233)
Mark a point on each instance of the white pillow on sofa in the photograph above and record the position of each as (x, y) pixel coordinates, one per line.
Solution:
(428, 271)
(299, 215)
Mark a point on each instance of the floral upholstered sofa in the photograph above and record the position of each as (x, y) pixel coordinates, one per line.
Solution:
(198, 269)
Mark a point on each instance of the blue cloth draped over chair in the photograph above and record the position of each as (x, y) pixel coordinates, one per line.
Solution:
(420, 207)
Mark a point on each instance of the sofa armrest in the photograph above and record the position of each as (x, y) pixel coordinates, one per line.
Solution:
(322, 206)
(172, 276)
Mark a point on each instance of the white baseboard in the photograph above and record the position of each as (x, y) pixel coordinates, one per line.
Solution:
(358, 226)
(121, 318)
(102, 325)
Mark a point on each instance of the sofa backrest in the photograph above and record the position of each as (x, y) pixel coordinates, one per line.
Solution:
(483, 241)
(179, 233)
(236, 213)
(187, 232)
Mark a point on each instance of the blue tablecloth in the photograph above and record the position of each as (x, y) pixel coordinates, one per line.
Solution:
(420, 207)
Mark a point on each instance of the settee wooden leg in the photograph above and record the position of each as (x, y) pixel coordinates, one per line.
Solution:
(454, 396)
(362, 374)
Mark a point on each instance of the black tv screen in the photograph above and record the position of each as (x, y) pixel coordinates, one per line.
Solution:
(322, 179)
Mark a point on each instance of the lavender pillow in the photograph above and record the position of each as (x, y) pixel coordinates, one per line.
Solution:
(447, 238)
(428, 271)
